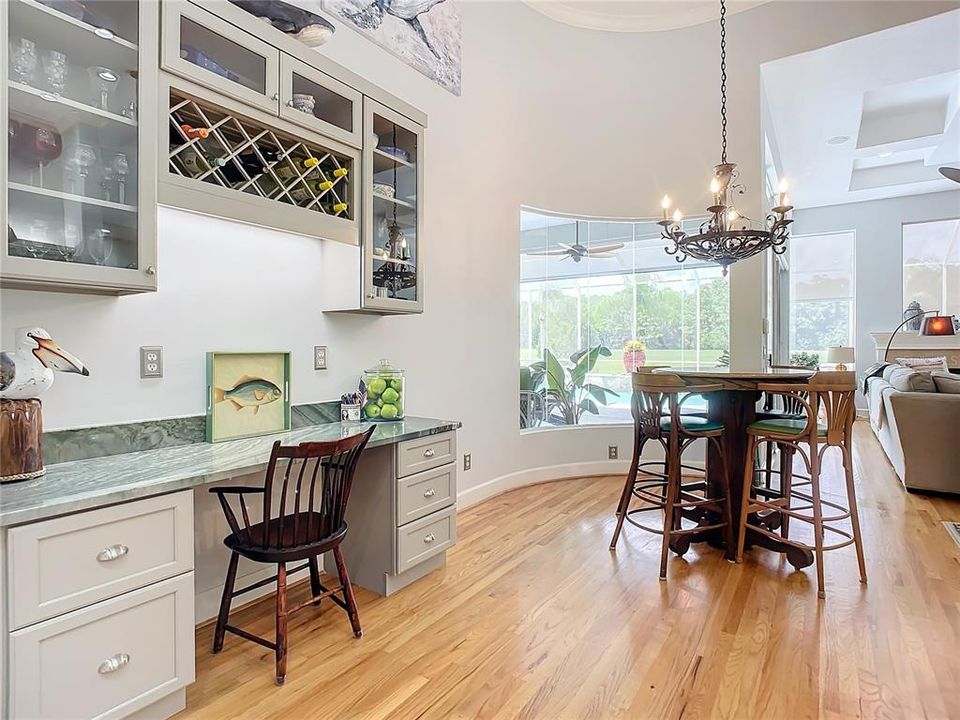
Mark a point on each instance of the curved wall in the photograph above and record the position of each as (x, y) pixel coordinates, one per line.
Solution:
(551, 116)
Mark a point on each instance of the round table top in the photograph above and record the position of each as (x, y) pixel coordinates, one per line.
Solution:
(725, 373)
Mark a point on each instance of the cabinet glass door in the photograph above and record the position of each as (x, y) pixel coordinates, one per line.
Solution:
(72, 133)
(393, 194)
(202, 47)
(317, 101)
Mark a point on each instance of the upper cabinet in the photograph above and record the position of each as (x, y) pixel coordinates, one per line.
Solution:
(77, 157)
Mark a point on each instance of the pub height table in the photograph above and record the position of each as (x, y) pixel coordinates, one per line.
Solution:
(735, 405)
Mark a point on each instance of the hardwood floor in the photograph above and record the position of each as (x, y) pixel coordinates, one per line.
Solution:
(533, 617)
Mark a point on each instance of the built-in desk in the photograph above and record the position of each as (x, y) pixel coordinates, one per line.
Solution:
(109, 562)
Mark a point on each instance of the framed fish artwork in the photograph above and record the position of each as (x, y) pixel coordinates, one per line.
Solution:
(248, 394)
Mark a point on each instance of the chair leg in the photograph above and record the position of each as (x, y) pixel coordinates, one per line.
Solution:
(817, 518)
(728, 531)
(674, 478)
(768, 480)
(315, 578)
(624, 505)
(854, 514)
(281, 649)
(745, 502)
(348, 592)
(786, 485)
(225, 601)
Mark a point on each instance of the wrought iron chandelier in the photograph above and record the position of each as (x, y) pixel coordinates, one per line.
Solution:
(726, 236)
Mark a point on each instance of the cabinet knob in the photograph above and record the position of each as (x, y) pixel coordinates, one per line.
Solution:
(371, 296)
(276, 96)
(429, 538)
(113, 663)
(150, 270)
(429, 493)
(289, 103)
(428, 453)
(112, 553)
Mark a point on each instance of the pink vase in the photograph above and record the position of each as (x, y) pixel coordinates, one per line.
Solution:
(633, 359)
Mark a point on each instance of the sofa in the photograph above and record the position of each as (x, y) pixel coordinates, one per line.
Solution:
(916, 417)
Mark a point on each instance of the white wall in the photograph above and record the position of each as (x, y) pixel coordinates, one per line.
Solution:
(879, 254)
(551, 116)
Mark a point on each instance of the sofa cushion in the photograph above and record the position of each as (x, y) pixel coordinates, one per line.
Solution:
(907, 380)
(889, 370)
(946, 382)
(924, 363)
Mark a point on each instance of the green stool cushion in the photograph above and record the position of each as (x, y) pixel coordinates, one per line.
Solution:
(692, 423)
(785, 426)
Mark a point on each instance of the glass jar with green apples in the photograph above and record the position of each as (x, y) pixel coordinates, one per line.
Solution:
(386, 392)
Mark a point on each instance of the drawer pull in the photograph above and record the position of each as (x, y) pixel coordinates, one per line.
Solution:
(428, 453)
(429, 538)
(113, 663)
(429, 493)
(112, 553)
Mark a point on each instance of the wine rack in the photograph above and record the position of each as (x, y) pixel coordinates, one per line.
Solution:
(211, 145)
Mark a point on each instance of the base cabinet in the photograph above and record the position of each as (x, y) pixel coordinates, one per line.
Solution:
(108, 660)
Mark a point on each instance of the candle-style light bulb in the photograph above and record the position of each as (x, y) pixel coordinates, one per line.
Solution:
(715, 190)
(732, 215)
(665, 204)
(783, 192)
(677, 215)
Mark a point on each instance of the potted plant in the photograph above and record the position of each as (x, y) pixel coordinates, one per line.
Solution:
(634, 355)
(567, 392)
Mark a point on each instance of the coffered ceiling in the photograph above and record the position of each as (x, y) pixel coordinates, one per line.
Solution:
(870, 118)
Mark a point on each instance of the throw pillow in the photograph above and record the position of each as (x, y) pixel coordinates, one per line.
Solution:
(924, 363)
(889, 370)
(946, 382)
(908, 380)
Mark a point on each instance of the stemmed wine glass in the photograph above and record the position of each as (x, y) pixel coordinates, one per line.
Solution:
(121, 168)
(23, 61)
(106, 181)
(99, 246)
(78, 165)
(104, 81)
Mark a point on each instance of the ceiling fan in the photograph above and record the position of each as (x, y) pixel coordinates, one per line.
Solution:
(578, 252)
(951, 173)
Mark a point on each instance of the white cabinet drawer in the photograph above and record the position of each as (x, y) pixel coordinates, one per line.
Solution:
(66, 563)
(421, 494)
(107, 660)
(424, 538)
(424, 453)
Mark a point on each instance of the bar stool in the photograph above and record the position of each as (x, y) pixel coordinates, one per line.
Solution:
(313, 490)
(782, 407)
(656, 408)
(826, 394)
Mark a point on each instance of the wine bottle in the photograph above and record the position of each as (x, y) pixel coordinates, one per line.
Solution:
(340, 172)
(194, 163)
(286, 172)
(250, 162)
(339, 208)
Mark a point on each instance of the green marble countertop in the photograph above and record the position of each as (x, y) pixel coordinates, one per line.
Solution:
(85, 484)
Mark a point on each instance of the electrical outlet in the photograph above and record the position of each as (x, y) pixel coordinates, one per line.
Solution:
(151, 362)
(467, 461)
(613, 452)
(319, 357)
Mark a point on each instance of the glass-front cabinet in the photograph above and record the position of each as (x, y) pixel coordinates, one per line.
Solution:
(80, 205)
(393, 172)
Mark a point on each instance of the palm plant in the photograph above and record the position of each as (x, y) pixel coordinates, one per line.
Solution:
(567, 392)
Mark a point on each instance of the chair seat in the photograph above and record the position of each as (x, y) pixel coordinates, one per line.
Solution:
(692, 423)
(305, 545)
(775, 415)
(785, 425)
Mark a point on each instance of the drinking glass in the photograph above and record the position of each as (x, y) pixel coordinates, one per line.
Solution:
(130, 110)
(78, 166)
(23, 61)
(106, 181)
(99, 246)
(104, 82)
(121, 168)
(55, 71)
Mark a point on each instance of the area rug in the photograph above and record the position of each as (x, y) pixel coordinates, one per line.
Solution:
(953, 529)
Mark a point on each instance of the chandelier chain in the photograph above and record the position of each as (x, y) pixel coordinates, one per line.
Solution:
(723, 78)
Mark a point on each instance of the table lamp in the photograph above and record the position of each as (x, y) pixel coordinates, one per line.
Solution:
(840, 356)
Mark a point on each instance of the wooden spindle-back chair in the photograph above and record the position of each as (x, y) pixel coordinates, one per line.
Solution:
(303, 502)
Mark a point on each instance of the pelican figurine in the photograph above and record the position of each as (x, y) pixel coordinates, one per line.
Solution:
(28, 372)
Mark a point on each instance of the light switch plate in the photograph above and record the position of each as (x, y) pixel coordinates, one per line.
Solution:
(151, 361)
(319, 357)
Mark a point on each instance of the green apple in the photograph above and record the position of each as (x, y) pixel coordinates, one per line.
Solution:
(388, 412)
(390, 395)
(371, 410)
(399, 406)
(397, 384)
(375, 387)
(380, 401)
